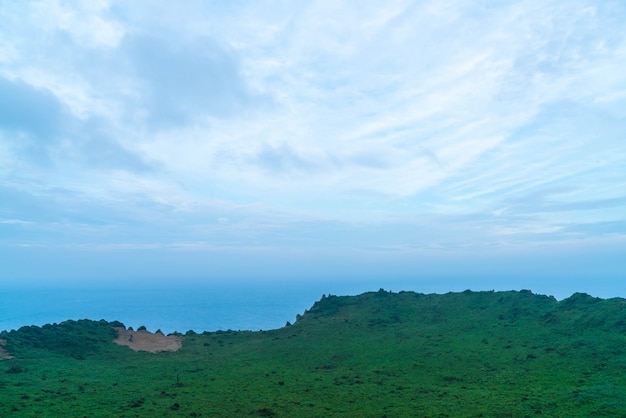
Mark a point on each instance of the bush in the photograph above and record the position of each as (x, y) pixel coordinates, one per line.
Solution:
(15, 368)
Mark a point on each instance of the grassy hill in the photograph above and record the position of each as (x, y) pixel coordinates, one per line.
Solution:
(492, 354)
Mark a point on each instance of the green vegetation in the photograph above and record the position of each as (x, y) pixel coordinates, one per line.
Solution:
(496, 354)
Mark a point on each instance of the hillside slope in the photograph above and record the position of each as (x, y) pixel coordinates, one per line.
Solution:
(377, 354)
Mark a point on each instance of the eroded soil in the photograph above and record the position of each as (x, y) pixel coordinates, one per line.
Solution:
(147, 341)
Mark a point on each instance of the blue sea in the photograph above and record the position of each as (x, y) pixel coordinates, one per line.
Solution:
(197, 307)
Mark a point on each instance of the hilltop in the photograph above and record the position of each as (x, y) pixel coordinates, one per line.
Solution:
(376, 354)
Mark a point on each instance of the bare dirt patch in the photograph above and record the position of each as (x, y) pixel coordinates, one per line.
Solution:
(147, 341)
(3, 354)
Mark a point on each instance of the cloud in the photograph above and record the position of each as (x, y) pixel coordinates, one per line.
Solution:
(281, 159)
(87, 23)
(94, 145)
(26, 108)
(13, 222)
(181, 82)
(54, 134)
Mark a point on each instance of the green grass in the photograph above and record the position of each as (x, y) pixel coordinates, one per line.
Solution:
(492, 354)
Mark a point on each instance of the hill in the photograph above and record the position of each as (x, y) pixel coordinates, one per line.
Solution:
(496, 354)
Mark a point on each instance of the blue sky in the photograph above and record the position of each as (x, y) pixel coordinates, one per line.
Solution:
(470, 144)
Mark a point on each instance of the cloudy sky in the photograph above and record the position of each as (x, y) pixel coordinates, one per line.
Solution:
(455, 141)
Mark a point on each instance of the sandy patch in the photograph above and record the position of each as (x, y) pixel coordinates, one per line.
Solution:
(3, 354)
(146, 341)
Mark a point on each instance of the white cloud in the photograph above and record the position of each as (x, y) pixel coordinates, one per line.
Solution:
(85, 21)
(14, 221)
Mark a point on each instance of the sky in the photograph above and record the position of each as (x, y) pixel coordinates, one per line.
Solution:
(458, 143)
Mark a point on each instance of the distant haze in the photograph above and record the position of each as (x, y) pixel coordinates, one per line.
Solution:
(469, 145)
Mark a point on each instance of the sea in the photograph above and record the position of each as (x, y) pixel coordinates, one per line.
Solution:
(173, 308)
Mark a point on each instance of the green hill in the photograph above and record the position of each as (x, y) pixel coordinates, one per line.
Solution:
(491, 354)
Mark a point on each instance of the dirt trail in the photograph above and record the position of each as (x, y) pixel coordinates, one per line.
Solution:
(146, 341)
(3, 354)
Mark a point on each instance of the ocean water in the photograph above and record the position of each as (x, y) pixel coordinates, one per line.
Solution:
(199, 307)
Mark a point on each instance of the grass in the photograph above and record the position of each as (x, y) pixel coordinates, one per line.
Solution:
(469, 354)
